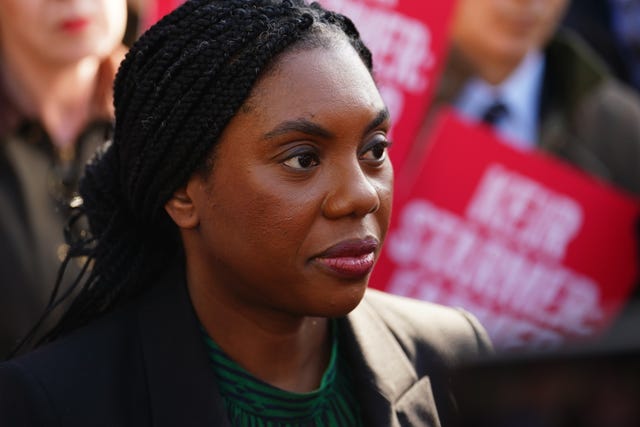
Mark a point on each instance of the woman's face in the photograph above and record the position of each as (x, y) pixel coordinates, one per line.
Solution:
(63, 31)
(504, 30)
(297, 204)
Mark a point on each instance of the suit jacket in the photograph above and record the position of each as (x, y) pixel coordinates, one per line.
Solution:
(146, 365)
(589, 118)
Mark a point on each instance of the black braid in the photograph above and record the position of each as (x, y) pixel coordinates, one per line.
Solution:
(175, 92)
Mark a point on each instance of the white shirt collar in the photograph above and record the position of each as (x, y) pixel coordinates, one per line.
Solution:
(520, 92)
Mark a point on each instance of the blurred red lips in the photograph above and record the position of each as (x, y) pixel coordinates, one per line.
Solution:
(74, 24)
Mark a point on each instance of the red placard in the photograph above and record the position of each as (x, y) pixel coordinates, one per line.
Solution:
(154, 10)
(541, 252)
(408, 40)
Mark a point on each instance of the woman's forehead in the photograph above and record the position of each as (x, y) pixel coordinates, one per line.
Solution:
(300, 78)
(321, 88)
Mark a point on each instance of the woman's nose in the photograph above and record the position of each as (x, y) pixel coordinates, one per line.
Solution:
(353, 193)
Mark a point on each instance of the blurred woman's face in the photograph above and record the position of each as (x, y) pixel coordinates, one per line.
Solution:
(63, 31)
(504, 30)
(294, 212)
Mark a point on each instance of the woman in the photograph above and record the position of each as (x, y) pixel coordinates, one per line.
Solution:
(57, 64)
(236, 218)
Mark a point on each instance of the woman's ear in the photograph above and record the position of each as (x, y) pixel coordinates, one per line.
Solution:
(181, 208)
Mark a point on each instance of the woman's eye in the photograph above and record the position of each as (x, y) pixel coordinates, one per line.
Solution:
(376, 152)
(302, 161)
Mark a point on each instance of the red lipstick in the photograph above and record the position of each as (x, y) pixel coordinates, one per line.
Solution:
(74, 25)
(350, 259)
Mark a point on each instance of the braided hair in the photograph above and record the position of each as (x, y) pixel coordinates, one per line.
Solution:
(175, 92)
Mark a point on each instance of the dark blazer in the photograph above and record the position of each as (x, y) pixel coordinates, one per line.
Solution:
(146, 365)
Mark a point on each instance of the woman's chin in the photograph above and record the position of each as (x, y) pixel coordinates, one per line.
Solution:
(344, 303)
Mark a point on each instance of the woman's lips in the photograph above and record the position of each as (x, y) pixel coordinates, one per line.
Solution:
(75, 24)
(349, 259)
(349, 267)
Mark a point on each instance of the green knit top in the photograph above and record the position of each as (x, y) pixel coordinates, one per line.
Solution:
(252, 402)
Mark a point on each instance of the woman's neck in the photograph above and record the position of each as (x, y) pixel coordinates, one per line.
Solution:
(291, 353)
(59, 96)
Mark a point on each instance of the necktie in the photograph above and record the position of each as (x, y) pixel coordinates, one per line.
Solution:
(494, 113)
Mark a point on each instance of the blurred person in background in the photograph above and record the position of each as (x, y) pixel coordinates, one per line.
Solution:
(541, 87)
(152, 10)
(57, 64)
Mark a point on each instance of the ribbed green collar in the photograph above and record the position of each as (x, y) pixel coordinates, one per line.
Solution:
(252, 402)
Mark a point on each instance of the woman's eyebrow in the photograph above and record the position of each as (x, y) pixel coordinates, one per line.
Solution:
(299, 125)
(380, 118)
(310, 128)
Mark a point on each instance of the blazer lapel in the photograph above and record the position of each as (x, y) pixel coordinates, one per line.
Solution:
(180, 380)
(388, 388)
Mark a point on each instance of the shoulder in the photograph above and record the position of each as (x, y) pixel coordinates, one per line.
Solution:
(590, 118)
(613, 100)
(584, 79)
(453, 333)
(74, 379)
(22, 399)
